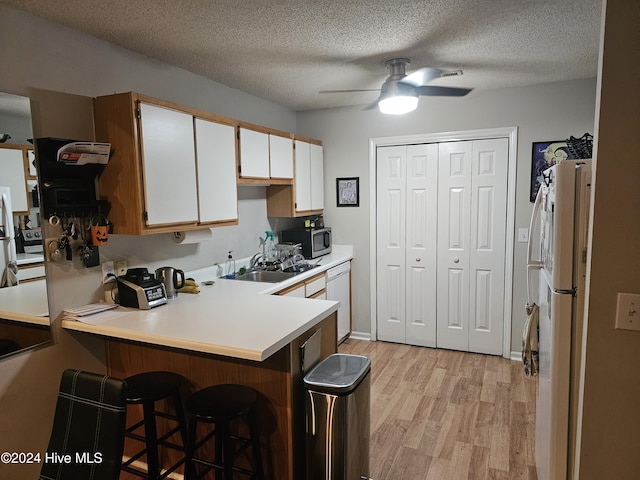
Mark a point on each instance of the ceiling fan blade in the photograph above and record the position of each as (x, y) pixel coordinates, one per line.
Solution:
(422, 76)
(435, 91)
(350, 91)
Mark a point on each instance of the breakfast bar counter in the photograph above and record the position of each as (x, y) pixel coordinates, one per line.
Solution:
(231, 332)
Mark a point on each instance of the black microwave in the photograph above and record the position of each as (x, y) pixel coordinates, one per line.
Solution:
(315, 241)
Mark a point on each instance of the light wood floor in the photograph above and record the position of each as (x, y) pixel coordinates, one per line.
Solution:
(446, 415)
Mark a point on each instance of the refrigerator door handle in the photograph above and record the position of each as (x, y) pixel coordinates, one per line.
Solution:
(5, 206)
(532, 264)
(535, 221)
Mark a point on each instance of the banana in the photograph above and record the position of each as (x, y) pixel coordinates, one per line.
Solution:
(190, 286)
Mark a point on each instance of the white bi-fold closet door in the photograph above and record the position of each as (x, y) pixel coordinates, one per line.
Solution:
(441, 231)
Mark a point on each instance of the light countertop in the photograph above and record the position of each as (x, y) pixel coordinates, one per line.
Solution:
(233, 318)
(29, 258)
(25, 302)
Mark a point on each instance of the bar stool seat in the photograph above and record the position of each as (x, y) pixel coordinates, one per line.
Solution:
(220, 405)
(146, 389)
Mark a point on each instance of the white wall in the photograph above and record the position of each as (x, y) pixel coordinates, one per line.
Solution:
(610, 438)
(60, 70)
(543, 112)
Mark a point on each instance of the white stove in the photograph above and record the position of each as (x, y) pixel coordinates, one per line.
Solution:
(33, 241)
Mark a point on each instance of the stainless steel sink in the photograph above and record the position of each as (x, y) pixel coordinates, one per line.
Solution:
(274, 276)
(265, 276)
(300, 268)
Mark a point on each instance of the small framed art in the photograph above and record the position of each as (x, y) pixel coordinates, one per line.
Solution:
(348, 192)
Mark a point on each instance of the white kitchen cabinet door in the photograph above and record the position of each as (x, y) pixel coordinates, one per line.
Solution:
(169, 165)
(298, 292)
(316, 160)
(12, 176)
(254, 154)
(303, 175)
(280, 157)
(216, 162)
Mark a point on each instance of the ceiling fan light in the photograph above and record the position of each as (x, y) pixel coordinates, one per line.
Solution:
(398, 105)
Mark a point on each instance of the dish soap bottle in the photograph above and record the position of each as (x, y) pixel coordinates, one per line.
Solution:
(230, 266)
(270, 247)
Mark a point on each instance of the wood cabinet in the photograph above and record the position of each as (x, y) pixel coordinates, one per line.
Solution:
(313, 287)
(264, 156)
(278, 379)
(307, 195)
(30, 166)
(171, 167)
(30, 272)
(12, 166)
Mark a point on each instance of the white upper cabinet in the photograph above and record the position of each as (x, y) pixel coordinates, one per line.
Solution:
(254, 154)
(216, 155)
(281, 156)
(12, 176)
(316, 159)
(303, 176)
(169, 165)
(172, 168)
(309, 180)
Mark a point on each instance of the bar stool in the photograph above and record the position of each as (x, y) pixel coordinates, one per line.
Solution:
(146, 389)
(220, 405)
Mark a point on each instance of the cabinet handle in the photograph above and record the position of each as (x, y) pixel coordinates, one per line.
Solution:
(456, 259)
(418, 259)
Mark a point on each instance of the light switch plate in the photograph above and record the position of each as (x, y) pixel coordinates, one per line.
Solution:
(628, 312)
(523, 235)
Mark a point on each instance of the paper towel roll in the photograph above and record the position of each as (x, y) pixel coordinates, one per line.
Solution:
(192, 236)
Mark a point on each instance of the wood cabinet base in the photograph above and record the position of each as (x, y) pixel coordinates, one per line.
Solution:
(277, 379)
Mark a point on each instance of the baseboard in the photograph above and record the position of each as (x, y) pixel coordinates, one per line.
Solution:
(516, 356)
(360, 336)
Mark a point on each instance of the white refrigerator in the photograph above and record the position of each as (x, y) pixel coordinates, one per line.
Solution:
(558, 251)
(7, 236)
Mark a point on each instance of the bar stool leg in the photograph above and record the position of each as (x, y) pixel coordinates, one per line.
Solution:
(255, 443)
(227, 453)
(151, 435)
(177, 403)
(190, 467)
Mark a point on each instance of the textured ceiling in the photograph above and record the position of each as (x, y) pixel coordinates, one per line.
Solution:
(287, 51)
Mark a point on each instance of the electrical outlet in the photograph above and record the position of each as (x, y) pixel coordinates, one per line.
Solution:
(628, 312)
(121, 267)
(108, 269)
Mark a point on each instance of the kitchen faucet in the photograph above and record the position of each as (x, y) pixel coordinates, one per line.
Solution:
(254, 260)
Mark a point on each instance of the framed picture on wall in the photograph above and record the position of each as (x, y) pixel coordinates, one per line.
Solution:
(543, 156)
(348, 192)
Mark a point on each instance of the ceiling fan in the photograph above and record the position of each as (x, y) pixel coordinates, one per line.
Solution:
(399, 93)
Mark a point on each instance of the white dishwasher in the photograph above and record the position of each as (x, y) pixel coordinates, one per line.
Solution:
(338, 289)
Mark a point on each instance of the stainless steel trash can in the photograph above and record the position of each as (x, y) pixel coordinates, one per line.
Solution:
(338, 392)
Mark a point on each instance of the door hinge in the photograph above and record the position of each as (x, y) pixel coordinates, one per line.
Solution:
(138, 113)
(239, 169)
(145, 215)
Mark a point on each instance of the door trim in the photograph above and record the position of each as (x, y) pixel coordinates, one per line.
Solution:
(501, 132)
